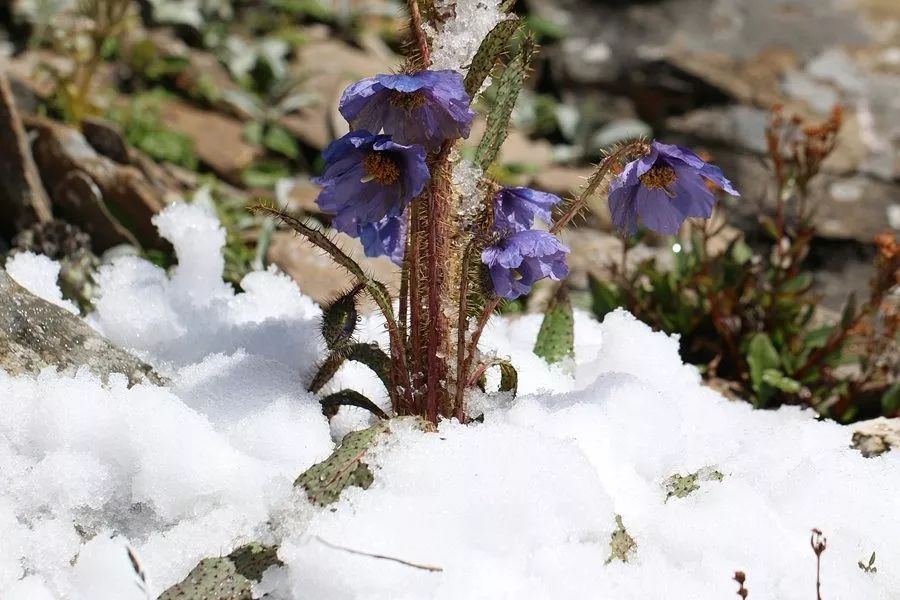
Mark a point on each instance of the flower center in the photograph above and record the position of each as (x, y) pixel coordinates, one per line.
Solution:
(659, 177)
(407, 100)
(381, 168)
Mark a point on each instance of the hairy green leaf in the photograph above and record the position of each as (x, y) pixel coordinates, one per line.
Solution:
(556, 339)
(340, 317)
(492, 48)
(511, 82)
(225, 577)
(332, 402)
(325, 481)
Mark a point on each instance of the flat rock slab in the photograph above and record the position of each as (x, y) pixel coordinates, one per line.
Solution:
(35, 334)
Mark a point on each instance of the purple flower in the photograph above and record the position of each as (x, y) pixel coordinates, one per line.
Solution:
(516, 208)
(664, 187)
(385, 238)
(427, 108)
(369, 177)
(523, 258)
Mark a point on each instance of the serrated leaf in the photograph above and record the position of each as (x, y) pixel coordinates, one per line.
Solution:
(325, 481)
(492, 47)
(511, 82)
(556, 339)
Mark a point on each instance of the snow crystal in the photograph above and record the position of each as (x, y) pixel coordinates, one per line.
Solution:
(455, 45)
(522, 505)
(38, 274)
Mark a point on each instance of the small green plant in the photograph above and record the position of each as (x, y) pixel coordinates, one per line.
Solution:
(88, 34)
(747, 316)
(143, 128)
(870, 566)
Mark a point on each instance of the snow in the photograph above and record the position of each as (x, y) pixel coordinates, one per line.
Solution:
(38, 274)
(455, 45)
(521, 506)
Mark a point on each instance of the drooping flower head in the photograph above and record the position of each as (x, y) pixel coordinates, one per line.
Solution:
(665, 187)
(519, 260)
(385, 238)
(427, 108)
(369, 177)
(516, 208)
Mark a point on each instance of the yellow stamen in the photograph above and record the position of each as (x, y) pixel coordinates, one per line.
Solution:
(660, 177)
(407, 100)
(381, 168)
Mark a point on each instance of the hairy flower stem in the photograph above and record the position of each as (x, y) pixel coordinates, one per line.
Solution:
(441, 270)
(400, 374)
(418, 30)
(461, 329)
(599, 176)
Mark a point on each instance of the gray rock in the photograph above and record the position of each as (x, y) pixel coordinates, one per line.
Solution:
(35, 334)
(875, 437)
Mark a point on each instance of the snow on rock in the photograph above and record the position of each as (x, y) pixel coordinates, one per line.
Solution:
(38, 274)
(522, 506)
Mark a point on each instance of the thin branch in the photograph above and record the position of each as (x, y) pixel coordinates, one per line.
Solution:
(407, 563)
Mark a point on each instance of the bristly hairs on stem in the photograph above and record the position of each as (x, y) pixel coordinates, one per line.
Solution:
(612, 160)
(421, 57)
(376, 290)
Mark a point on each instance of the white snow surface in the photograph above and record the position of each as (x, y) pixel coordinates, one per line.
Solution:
(455, 45)
(521, 506)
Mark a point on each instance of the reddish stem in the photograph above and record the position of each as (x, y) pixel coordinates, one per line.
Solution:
(416, 24)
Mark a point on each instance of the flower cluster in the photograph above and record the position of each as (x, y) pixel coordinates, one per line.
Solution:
(374, 172)
(371, 177)
(523, 255)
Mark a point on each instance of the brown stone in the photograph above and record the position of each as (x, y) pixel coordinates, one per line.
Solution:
(23, 200)
(317, 275)
(218, 139)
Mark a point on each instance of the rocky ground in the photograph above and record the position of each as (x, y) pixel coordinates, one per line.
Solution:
(707, 73)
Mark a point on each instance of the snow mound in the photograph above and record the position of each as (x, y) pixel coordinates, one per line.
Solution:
(522, 506)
